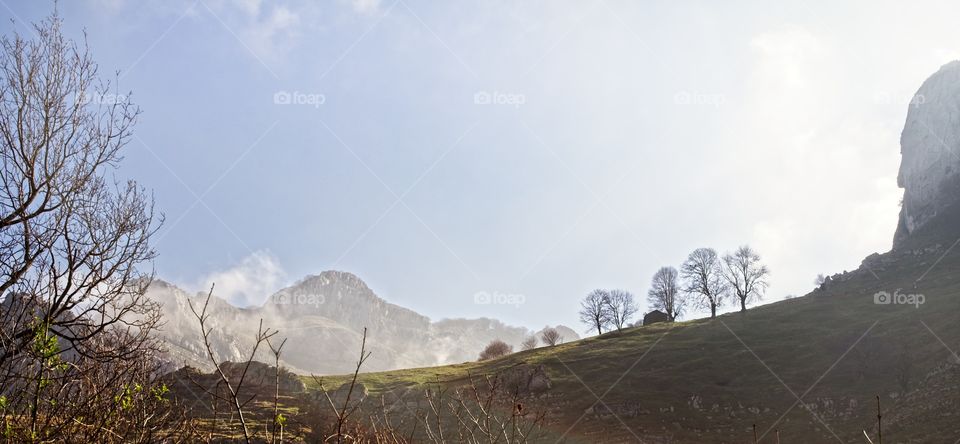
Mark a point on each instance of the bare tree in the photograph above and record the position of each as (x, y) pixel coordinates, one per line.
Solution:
(346, 410)
(276, 434)
(746, 276)
(74, 316)
(664, 294)
(594, 312)
(70, 240)
(702, 275)
(495, 349)
(232, 387)
(530, 343)
(551, 336)
(620, 308)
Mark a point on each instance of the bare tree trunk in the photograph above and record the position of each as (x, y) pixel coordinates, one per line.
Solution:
(262, 336)
(75, 319)
(343, 413)
(277, 434)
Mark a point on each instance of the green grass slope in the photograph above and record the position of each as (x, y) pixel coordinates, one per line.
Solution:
(808, 367)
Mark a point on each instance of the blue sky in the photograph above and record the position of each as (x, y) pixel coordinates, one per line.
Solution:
(619, 137)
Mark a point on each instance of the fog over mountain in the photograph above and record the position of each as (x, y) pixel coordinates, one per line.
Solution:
(323, 317)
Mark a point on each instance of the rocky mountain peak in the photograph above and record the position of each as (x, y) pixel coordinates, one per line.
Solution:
(323, 317)
(930, 146)
(331, 277)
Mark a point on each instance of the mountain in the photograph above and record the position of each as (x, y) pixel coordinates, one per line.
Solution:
(323, 317)
(809, 369)
(930, 170)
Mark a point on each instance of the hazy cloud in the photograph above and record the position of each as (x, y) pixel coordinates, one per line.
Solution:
(367, 7)
(248, 282)
(265, 33)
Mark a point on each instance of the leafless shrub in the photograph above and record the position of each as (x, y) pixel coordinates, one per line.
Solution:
(481, 409)
(530, 343)
(345, 410)
(495, 408)
(77, 359)
(495, 349)
(56, 396)
(276, 434)
(551, 336)
(487, 411)
(232, 388)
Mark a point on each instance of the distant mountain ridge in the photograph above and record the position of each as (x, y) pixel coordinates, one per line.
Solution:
(323, 317)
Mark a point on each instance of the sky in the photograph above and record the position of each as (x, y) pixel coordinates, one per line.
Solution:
(503, 158)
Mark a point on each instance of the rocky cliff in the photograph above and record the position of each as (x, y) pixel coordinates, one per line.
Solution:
(323, 317)
(930, 146)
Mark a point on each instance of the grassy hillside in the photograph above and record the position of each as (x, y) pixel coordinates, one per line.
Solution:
(711, 380)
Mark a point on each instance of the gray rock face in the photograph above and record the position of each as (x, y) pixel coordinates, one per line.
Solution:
(323, 317)
(930, 146)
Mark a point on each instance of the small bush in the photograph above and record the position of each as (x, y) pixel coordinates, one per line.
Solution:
(551, 336)
(495, 349)
(530, 343)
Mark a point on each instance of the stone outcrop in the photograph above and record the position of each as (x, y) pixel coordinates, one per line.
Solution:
(258, 377)
(930, 146)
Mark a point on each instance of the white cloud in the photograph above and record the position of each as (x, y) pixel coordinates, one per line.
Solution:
(110, 6)
(272, 32)
(248, 282)
(786, 58)
(365, 7)
(826, 161)
(250, 7)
